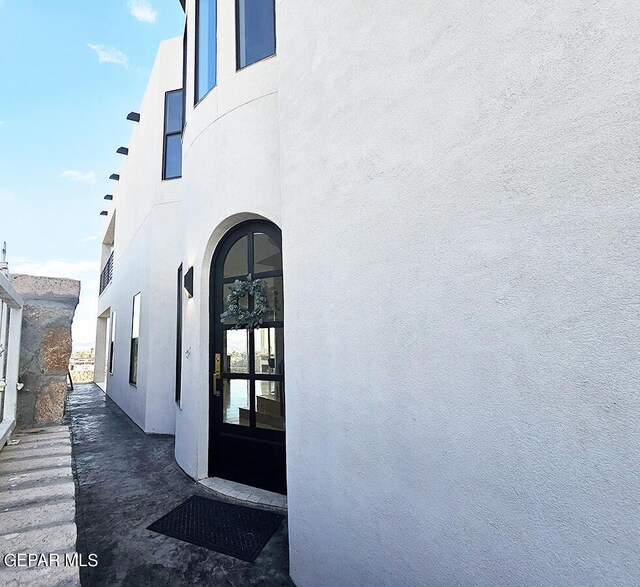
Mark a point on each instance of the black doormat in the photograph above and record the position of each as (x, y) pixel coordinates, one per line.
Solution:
(231, 529)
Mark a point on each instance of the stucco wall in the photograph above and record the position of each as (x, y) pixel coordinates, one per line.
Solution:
(147, 253)
(460, 237)
(45, 346)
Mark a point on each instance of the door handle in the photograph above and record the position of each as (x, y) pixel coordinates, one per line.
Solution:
(217, 372)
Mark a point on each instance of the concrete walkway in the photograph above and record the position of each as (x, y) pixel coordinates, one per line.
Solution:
(126, 480)
(37, 508)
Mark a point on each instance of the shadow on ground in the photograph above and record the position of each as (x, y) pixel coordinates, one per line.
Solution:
(125, 480)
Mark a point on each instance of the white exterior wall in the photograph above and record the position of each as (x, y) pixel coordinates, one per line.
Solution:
(456, 186)
(147, 253)
(230, 174)
(460, 237)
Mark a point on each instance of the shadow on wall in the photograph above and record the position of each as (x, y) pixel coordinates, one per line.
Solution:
(45, 348)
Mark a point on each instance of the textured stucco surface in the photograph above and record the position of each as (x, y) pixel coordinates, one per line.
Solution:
(45, 347)
(456, 183)
(146, 237)
(460, 235)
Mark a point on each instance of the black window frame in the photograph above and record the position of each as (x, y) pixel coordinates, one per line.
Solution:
(196, 99)
(275, 38)
(167, 134)
(179, 308)
(134, 348)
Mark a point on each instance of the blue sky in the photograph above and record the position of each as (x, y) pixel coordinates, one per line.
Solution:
(70, 72)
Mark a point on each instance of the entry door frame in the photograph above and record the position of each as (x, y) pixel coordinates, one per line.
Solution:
(240, 439)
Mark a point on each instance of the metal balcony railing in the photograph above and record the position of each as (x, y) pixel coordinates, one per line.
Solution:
(106, 275)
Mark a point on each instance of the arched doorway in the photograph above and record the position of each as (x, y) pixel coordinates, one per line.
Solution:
(247, 397)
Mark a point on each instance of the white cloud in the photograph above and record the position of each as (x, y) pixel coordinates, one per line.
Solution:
(108, 54)
(142, 10)
(84, 321)
(1, 121)
(91, 237)
(73, 175)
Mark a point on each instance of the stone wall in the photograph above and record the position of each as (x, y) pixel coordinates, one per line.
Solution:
(45, 348)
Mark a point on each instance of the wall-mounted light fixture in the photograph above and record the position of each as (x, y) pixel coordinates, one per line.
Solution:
(134, 116)
(188, 282)
(114, 177)
(122, 151)
(104, 213)
(109, 197)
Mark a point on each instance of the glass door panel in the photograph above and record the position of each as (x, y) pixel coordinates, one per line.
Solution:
(269, 405)
(236, 401)
(269, 351)
(236, 351)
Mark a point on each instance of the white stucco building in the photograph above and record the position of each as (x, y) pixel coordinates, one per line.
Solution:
(440, 200)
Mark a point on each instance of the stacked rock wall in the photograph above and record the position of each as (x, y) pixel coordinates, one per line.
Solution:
(45, 348)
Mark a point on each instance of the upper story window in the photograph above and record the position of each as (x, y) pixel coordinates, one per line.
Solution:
(255, 30)
(206, 46)
(172, 164)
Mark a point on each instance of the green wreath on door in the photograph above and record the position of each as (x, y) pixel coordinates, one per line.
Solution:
(244, 318)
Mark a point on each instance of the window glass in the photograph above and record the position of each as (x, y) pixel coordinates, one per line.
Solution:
(185, 58)
(235, 398)
(273, 289)
(255, 30)
(266, 253)
(173, 112)
(135, 334)
(133, 368)
(113, 326)
(236, 264)
(269, 351)
(269, 405)
(112, 341)
(135, 329)
(236, 351)
(206, 50)
(173, 156)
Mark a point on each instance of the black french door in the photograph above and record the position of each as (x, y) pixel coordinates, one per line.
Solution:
(247, 396)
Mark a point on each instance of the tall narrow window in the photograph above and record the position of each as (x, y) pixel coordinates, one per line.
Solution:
(135, 335)
(179, 337)
(112, 340)
(184, 74)
(206, 49)
(172, 164)
(255, 30)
